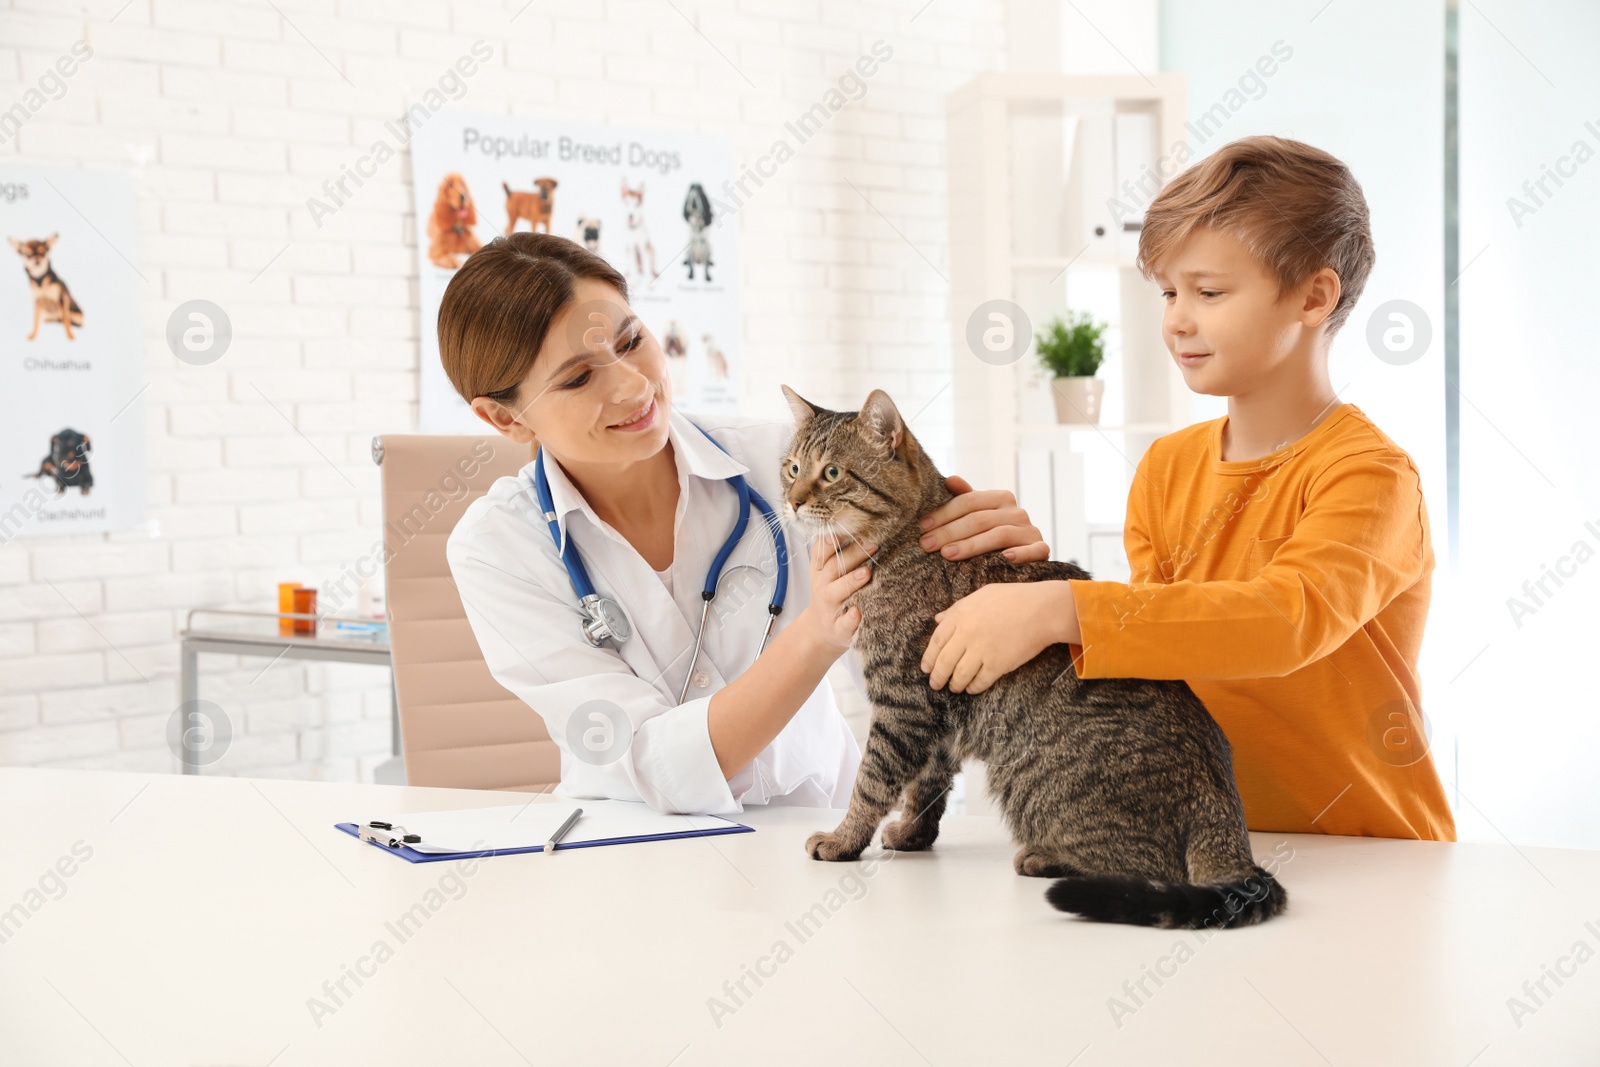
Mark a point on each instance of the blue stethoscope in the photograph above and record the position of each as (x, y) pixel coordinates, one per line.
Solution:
(606, 620)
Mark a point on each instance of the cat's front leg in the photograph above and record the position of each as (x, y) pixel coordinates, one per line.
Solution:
(897, 750)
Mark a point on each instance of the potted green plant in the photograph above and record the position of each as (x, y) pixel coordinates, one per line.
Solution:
(1071, 348)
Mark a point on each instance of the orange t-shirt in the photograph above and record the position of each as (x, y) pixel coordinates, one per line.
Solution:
(1290, 592)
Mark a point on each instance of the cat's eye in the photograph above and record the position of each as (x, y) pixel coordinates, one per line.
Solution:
(832, 473)
(794, 469)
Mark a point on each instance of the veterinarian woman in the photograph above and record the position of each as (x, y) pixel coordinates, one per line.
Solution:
(536, 333)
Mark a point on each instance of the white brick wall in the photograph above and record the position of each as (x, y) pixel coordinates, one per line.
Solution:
(230, 116)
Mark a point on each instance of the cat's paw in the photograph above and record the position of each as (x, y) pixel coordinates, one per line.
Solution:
(914, 836)
(1033, 864)
(828, 845)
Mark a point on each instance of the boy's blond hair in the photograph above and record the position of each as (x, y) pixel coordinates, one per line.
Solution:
(1296, 209)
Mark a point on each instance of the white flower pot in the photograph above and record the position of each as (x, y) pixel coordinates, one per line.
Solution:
(1078, 399)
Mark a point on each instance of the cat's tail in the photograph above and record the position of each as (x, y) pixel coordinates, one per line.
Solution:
(1172, 905)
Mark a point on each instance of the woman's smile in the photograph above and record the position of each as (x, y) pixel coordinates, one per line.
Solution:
(639, 420)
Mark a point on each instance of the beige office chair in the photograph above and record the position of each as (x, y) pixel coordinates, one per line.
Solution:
(459, 727)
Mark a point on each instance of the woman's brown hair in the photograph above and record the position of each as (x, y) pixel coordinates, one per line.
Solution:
(1296, 208)
(498, 309)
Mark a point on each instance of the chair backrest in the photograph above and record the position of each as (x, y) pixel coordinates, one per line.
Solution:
(460, 727)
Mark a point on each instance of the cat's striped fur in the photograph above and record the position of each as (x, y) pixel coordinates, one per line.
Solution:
(1123, 789)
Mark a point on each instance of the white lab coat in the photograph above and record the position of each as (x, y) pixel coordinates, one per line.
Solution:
(526, 617)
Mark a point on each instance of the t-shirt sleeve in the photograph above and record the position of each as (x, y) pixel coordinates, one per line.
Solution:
(1138, 538)
(1358, 545)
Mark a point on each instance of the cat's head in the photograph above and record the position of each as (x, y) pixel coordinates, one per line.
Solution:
(857, 474)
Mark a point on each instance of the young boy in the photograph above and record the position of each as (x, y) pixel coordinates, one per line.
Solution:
(1281, 557)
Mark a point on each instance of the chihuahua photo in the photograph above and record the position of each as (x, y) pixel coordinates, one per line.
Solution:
(52, 302)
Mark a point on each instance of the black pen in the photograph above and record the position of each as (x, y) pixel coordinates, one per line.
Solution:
(550, 845)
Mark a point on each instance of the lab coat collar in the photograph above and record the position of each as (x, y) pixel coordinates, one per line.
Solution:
(692, 452)
(705, 459)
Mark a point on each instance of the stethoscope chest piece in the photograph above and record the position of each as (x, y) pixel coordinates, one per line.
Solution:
(606, 620)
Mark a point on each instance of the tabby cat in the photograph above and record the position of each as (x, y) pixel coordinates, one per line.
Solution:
(1121, 788)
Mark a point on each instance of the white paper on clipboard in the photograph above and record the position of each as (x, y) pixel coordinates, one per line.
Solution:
(528, 824)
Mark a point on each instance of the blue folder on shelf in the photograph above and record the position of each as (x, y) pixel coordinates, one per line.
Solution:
(525, 827)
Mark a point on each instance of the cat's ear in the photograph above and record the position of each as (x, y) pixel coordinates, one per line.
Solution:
(881, 423)
(803, 409)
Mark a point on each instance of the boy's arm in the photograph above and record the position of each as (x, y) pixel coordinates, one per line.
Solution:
(1358, 544)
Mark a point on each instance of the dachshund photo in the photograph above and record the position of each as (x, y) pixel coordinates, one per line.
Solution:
(639, 250)
(51, 300)
(450, 223)
(536, 207)
(697, 213)
(67, 463)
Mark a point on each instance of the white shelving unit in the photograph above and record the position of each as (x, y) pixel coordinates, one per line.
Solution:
(1049, 177)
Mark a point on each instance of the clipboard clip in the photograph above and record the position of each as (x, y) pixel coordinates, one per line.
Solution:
(386, 834)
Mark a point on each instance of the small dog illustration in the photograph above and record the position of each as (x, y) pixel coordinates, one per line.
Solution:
(589, 233)
(673, 344)
(718, 361)
(697, 213)
(67, 463)
(639, 248)
(450, 223)
(536, 207)
(51, 300)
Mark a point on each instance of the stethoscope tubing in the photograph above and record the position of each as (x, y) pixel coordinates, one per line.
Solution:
(595, 605)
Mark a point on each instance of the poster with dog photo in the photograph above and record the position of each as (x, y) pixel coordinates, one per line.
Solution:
(71, 362)
(642, 199)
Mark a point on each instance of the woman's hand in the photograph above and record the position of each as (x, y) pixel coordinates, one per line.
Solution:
(836, 572)
(995, 629)
(974, 523)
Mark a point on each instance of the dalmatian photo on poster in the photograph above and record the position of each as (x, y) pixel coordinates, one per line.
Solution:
(642, 199)
(71, 359)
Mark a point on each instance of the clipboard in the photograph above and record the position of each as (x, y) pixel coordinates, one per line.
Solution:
(512, 828)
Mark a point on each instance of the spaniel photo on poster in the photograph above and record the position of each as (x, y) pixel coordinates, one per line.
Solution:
(450, 223)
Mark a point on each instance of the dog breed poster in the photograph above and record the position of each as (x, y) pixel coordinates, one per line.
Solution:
(645, 200)
(72, 380)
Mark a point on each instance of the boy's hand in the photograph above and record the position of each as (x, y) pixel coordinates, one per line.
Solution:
(997, 628)
(974, 523)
